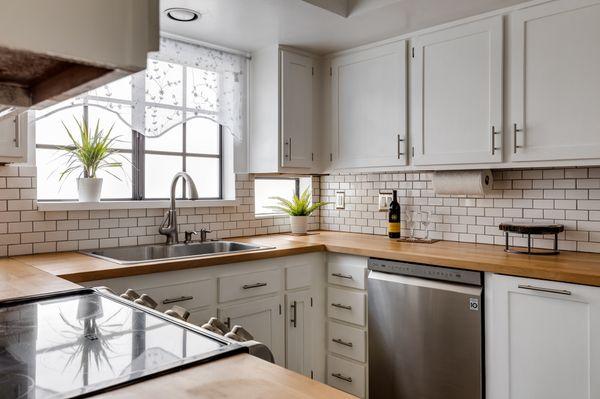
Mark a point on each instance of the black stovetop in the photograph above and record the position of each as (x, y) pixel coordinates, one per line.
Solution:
(78, 343)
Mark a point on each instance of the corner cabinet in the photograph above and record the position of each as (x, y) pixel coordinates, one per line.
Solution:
(368, 108)
(457, 94)
(541, 339)
(283, 96)
(555, 81)
(13, 138)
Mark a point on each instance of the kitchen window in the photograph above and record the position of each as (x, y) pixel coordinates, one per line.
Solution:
(149, 163)
(267, 187)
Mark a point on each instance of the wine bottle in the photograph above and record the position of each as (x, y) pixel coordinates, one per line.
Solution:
(394, 217)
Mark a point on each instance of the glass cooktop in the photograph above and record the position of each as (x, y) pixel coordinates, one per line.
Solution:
(82, 342)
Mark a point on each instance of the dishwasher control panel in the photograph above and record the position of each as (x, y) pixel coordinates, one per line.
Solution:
(425, 271)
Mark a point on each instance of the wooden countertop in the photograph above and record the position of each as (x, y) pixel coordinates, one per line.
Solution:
(573, 267)
(235, 377)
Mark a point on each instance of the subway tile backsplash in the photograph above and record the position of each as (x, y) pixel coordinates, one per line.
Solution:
(567, 196)
(26, 230)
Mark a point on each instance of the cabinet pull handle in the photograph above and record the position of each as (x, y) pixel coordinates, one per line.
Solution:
(494, 133)
(543, 289)
(515, 131)
(341, 342)
(339, 305)
(228, 323)
(17, 138)
(399, 141)
(290, 140)
(340, 275)
(294, 318)
(256, 285)
(179, 299)
(341, 377)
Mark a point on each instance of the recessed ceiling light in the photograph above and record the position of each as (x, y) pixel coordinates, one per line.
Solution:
(182, 14)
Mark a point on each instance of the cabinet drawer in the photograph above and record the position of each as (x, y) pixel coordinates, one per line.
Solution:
(347, 341)
(346, 305)
(346, 376)
(248, 285)
(347, 275)
(194, 294)
(298, 277)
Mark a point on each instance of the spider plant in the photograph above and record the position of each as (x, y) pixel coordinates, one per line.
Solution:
(297, 206)
(90, 151)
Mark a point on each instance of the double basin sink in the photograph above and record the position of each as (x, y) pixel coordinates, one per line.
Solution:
(161, 252)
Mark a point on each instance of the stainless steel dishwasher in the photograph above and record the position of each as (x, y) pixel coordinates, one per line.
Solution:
(425, 332)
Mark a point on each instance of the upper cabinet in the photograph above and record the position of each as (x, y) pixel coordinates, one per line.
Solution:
(555, 81)
(283, 108)
(13, 138)
(457, 94)
(368, 108)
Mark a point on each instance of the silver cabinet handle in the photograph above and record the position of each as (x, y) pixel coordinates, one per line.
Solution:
(515, 131)
(340, 275)
(257, 285)
(178, 299)
(290, 148)
(342, 377)
(341, 342)
(399, 141)
(339, 305)
(543, 289)
(17, 139)
(294, 314)
(494, 133)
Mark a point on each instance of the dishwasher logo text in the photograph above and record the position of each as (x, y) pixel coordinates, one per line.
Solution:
(473, 304)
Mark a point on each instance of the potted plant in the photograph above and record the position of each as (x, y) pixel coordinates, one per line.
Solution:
(89, 152)
(299, 209)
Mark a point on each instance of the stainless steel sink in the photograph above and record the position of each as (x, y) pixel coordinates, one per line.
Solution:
(161, 252)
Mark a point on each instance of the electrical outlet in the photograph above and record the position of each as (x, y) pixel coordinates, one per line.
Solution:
(385, 199)
(340, 200)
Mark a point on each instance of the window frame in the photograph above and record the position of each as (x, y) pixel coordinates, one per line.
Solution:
(296, 192)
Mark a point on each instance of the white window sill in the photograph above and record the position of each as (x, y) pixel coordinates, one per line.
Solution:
(88, 206)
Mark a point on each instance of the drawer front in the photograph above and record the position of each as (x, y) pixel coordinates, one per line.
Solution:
(346, 305)
(249, 285)
(346, 376)
(347, 341)
(194, 294)
(347, 275)
(298, 277)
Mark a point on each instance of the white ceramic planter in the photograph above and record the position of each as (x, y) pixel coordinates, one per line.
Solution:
(89, 189)
(299, 224)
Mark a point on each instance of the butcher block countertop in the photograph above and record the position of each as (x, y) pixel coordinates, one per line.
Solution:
(572, 267)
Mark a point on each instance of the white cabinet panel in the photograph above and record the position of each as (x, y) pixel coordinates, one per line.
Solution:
(346, 305)
(369, 107)
(296, 110)
(248, 285)
(346, 376)
(263, 319)
(299, 332)
(539, 339)
(457, 82)
(347, 275)
(347, 341)
(13, 138)
(555, 81)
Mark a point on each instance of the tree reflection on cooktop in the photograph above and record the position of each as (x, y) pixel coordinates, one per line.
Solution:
(72, 345)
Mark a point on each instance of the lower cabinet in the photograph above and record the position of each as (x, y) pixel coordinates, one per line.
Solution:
(263, 319)
(299, 332)
(541, 339)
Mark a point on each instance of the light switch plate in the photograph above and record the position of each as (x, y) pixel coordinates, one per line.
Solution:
(340, 200)
(385, 199)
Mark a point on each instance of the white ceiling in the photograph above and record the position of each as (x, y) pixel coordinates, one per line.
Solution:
(252, 24)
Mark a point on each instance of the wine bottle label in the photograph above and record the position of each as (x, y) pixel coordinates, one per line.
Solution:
(393, 227)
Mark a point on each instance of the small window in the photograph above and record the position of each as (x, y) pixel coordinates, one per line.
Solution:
(265, 188)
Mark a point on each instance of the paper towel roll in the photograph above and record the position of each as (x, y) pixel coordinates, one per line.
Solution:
(463, 182)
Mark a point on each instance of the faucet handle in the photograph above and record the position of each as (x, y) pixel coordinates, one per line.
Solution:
(203, 233)
(188, 236)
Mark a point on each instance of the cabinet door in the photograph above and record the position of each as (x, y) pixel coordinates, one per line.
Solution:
(555, 81)
(299, 330)
(12, 140)
(541, 339)
(457, 82)
(263, 319)
(296, 110)
(369, 107)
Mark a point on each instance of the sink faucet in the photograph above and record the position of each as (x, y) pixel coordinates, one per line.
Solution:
(169, 226)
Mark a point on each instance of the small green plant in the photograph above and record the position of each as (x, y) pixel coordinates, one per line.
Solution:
(298, 206)
(89, 151)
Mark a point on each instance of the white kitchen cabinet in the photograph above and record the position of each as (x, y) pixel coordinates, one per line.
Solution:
(13, 138)
(457, 94)
(555, 81)
(368, 108)
(541, 339)
(299, 332)
(283, 108)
